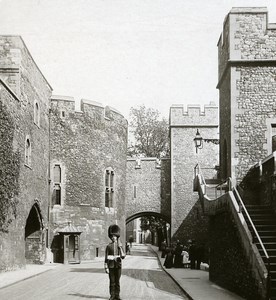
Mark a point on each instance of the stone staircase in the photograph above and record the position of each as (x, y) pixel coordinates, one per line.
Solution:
(264, 221)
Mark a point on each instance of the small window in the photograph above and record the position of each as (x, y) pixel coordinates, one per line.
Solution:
(109, 187)
(57, 185)
(36, 114)
(62, 114)
(28, 152)
(57, 195)
(273, 133)
(134, 192)
(57, 174)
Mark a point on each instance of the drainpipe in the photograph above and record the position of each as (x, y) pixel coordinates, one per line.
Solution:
(49, 181)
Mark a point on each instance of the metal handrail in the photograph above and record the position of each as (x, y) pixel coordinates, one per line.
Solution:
(242, 208)
(256, 235)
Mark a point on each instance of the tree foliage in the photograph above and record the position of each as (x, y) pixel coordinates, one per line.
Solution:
(9, 171)
(152, 223)
(150, 132)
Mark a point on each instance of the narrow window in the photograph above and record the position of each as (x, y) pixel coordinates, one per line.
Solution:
(134, 191)
(57, 185)
(109, 188)
(57, 195)
(273, 133)
(57, 174)
(28, 152)
(111, 179)
(36, 114)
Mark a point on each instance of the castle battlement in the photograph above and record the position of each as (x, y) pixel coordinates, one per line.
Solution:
(194, 115)
(138, 163)
(247, 38)
(66, 106)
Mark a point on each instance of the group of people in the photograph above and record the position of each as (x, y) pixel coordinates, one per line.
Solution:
(180, 256)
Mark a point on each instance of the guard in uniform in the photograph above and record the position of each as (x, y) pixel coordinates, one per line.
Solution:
(114, 254)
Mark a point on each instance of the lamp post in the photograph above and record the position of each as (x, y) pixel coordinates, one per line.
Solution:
(198, 140)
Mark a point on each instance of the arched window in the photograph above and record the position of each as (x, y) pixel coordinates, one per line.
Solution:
(36, 114)
(109, 187)
(28, 152)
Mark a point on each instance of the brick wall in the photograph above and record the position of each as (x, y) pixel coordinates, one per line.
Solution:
(84, 143)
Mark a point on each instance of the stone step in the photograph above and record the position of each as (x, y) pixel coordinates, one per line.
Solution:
(270, 252)
(272, 258)
(270, 246)
(266, 233)
(264, 221)
(263, 227)
(268, 239)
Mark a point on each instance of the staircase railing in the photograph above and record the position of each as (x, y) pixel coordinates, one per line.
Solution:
(225, 186)
(255, 236)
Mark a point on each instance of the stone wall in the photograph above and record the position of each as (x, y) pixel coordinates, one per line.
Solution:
(18, 95)
(229, 265)
(84, 144)
(247, 89)
(148, 186)
(185, 210)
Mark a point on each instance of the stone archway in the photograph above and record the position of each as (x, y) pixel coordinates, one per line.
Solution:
(34, 237)
(163, 234)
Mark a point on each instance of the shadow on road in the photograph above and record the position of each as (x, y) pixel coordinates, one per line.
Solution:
(88, 270)
(157, 279)
(87, 296)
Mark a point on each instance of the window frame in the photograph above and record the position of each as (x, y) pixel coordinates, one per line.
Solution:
(57, 185)
(109, 182)
(36, 114)
(28, 151)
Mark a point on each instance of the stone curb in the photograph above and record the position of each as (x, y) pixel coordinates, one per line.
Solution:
(172, 277)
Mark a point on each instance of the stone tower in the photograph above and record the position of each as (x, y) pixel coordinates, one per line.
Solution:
(184, 157)
(247, 90)
(88, 172)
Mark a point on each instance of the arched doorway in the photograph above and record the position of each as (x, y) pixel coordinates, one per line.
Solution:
(34, 237)
(162, 232)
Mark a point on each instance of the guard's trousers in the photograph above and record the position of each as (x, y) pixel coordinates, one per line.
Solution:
(114, 282)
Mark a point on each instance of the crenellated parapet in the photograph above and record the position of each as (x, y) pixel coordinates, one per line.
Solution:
(194, 116)
(246, 83)
(247, 37)
(65, 107)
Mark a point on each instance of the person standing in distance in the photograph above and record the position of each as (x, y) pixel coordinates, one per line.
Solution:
(114, 253)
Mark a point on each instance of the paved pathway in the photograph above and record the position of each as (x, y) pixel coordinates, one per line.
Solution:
(196, 283)
(142, 278)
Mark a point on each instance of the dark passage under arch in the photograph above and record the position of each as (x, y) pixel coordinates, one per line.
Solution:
(34, 236)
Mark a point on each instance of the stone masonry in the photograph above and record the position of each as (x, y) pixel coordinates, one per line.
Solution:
(247, 84)
(183, 128)
(148, 187)
(22, 87)
(84, 144)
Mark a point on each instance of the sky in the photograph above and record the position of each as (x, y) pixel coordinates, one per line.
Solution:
(126, 53)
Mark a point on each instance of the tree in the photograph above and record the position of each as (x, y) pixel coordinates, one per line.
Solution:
(154, 225)
(150, 132)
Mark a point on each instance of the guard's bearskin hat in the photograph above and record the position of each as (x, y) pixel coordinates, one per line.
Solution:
(114, 230)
